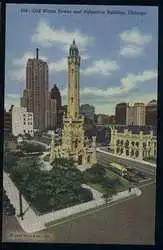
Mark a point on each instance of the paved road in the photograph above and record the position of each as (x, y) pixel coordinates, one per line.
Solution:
(130, 222)
(104, 158)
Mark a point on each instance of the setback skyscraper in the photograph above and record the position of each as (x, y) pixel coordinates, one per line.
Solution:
(35, 96)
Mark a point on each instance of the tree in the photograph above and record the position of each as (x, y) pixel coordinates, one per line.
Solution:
(30, 147)
(10, 160)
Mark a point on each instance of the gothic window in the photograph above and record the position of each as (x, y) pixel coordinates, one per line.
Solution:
(71, 99)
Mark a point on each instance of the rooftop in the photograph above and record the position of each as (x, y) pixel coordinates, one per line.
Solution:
(137, 129)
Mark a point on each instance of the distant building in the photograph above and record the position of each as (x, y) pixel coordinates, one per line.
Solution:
(51, 113)
(151, 113)
(138, 142)
(102, 119)
(7, 123)
(55, 95)
(120, 113)
(22, 121)
(130, 118)
(36, 93)
(62, 112)
(136, 114)
(88, 111)
(112, 119)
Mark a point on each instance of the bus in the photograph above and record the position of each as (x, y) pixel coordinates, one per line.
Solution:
(118, 168)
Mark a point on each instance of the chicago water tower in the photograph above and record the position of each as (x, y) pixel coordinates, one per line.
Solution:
(74, 144)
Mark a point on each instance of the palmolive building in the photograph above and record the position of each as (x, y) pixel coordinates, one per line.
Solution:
(36, 96)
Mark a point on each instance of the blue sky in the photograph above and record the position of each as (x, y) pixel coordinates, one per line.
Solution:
(119, 53)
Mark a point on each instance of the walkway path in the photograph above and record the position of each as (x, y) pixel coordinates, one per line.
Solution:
(38, 142)
(125, 157)
(33, 223)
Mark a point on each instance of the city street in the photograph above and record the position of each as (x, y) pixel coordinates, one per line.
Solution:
(130, 222)
(104, 159)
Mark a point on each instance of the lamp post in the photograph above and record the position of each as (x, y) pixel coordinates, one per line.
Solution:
(129, 184)
(20, 205)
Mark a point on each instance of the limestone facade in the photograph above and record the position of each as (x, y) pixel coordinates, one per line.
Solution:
(74, 144)
(138, 146)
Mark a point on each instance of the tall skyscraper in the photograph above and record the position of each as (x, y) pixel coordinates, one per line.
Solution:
(35, 96)
(136, 114)
(120, 113)
(151, 113)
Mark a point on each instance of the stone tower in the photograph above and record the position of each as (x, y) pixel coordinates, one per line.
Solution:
(73, 132)
(73, 82)
(74, 144)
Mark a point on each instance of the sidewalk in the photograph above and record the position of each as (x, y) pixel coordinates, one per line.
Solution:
(33, 223)
(127, 158)
(38, 142)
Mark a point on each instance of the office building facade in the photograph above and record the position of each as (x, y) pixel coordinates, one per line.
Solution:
(22, 122)
(36, 93)
(120, 113)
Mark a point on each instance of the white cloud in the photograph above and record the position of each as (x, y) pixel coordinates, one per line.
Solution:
(19, 65)
(12, 96)
(134, 36)
(60, 65)
(109, 108)
(131, 51)
(47, 36)
(128, 83)
(12, 99)
(23, 60)
(17, 74)
(134, 42)
(103, 67)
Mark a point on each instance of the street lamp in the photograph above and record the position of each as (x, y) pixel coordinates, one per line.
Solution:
(129, 183)
(20, 206)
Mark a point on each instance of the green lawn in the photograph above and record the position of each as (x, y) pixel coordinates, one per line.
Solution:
(121, 185)
(96, 186)
(110, 173)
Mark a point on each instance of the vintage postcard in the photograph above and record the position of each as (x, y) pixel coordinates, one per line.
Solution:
(80, 124)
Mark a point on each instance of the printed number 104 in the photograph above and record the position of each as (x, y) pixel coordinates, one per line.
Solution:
(24, 10)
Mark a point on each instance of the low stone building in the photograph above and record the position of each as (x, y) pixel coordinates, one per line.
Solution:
(134, 142)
